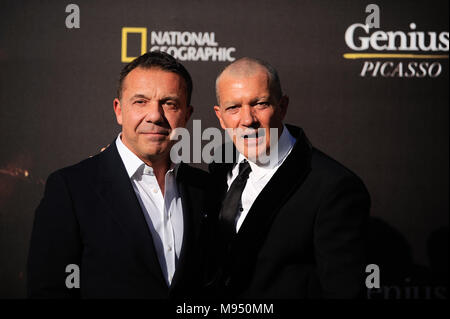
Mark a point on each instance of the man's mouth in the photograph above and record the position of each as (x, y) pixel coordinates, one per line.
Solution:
(155, 136)
(164, 133)
(253, 134)
(254, 137)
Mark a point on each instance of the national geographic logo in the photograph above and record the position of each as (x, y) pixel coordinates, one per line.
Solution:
(182, 45)
(401, 54)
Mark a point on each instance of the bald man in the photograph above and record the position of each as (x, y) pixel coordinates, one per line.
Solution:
(290, 227)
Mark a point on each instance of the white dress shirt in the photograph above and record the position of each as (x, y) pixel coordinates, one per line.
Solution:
(163, 213)
(260, 175)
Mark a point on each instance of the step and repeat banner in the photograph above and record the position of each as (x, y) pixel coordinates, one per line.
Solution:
(367, 81)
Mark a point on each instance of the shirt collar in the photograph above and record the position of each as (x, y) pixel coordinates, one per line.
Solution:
(134, 164)
(285, 144)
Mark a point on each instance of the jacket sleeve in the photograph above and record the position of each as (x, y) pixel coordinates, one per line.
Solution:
(340, 236)
(55, 243)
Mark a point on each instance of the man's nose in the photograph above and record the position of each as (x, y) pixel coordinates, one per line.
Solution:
(155, 112)
(247, 115)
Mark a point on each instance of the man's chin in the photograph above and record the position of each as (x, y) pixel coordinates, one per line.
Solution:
(253, 153)
(154, 138)
(155, 149)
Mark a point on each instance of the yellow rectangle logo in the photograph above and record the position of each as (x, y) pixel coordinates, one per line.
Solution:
(125, 31)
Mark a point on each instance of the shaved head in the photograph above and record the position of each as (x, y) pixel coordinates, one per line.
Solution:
(246, 67)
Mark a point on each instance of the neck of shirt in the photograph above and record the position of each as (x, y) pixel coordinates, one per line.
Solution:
(133, 164)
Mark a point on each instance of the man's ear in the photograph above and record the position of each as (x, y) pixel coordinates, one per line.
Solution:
(283, 105)
(219, 116)
(190, 110)
(118, 110)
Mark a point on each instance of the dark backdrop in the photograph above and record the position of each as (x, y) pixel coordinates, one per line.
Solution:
(57, 85)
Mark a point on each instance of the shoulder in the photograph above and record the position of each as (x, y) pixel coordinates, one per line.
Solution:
(322, 168)
(81, 171)
(331, 174)
(83, 167)
(325, 165)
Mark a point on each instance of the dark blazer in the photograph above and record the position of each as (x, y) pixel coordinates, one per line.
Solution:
(90, 216)
(304, 236)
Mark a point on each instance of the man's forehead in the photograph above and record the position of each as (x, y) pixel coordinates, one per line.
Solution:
(243, 96)
(245, 67)
(234, 83)
(146, 78)
(148, 73)
(244, 73)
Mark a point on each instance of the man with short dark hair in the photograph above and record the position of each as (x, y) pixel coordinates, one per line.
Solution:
(128, 217)
(291, 227)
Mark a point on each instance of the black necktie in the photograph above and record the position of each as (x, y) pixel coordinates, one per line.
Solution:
(232, 200)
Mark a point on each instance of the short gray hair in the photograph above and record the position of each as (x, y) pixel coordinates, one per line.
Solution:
(247, 66)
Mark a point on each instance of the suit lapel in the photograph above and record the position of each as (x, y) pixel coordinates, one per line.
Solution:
(220, 171)
(191, 219)
(289, 176)
(115, 188)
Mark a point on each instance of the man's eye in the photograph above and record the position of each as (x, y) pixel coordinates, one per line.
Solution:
(231, 107)
(139, 102)
(262, 105)
(170, 104)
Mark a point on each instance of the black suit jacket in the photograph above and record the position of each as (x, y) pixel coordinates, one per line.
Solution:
(90, 216)
(304, 236)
